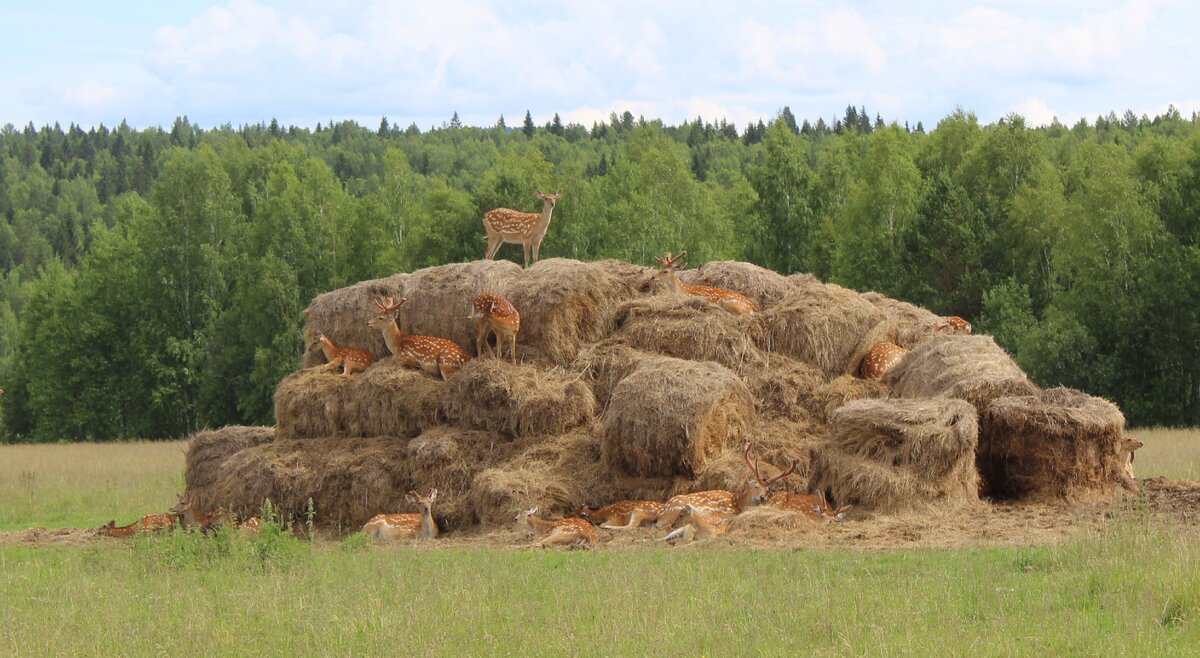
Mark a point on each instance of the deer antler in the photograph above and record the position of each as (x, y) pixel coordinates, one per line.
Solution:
(390, 305)
(789, 471)
(746, 456)
(669, 262)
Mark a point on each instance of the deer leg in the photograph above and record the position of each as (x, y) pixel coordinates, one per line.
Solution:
(537, 246)
(526, 246)
(494, 242)
(512, 350)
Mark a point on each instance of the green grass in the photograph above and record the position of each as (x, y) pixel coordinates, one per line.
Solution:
(1172, 453)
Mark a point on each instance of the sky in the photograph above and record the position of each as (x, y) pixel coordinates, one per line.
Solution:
(305, 62)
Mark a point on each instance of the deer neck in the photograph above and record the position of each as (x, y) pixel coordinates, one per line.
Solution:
(327, 349)
(393, 337)
(539, 525)
(543, 222)
(429, 529)
(745, 497)
(675, 284)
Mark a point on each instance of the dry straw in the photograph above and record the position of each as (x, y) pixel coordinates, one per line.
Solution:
(689, 328)
(208, 450)
(520, 401)
(674, 416)
(973, 368)
(1058, 443)
(913, 323)
(386, 400)
(889, 455)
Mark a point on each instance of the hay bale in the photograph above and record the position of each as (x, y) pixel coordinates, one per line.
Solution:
(603, 365)
(764, 287)
(688, 328)
(972, 368)
(517, 400)
(498, 493)
(208, 450)
(450, 458)
(824, 325)
(385, 400)
(566, 304)
(342, 315)
(672, 418)
(913, 323)
(821, 401)
(1058, 443)
(784, 387)
(775, 444)
(889, 455)
(440, 298)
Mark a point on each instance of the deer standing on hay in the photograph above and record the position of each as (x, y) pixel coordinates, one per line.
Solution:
(148, 523)
(571, 531)
(814, 506)
(496, 314)
(694, 526)
(953, 325)
(349, 359)
(719, 505)
(734, 302)
(394, 527)
(623, 515)
(528, 228)
(431, 354)
(880, 360)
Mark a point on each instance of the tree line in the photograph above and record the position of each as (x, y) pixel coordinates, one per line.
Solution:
(152, 281)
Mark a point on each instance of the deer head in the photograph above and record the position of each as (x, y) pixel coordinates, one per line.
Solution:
(669, 265)
(828, 512)
(1129, 446)
(424, 502)
(387, 312)
(548, 200)
(756, 488)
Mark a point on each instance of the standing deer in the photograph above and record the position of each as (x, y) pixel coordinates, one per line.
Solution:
(719, 505)
(494, 313)
(148, 523)
(349, 359)
(734, 302)
(394, 527)
(954, 325)
(431, 354)
(528, 228)
(814, 506)
(623, 515)
(881, 359)
(571, 531)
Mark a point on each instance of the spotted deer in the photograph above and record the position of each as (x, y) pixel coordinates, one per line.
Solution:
(571, 531)
(349, 359)
(394, 527)
(528, 228)
(694, 526)
(954, 325)
(250, 526)
(623, 515)
(191, 517)
(431, 354)
(734, 302)
(880, 360)
(719, 505)
(493, 313)
(1129, 445)
(148, 523)
(814, 506)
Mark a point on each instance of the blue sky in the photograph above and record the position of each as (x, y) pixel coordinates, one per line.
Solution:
(303, 62)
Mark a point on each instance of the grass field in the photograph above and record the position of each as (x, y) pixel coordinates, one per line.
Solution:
(1130, 589)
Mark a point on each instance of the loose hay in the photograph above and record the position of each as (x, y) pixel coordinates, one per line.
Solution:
(450, 458)
(517, 400)
(889, 455)
(775, 445)
(821, 324)
(913, 323)
(672, 418)
(785, 388)
(765, 287)
(822, 400)
(603, 365)
(972, 368)
(208, 450)
(342, 315)
(688, 328)
(440, 298)
(1058, 443)
(385, 400)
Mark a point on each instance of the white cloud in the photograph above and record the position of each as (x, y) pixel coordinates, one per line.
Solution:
(90, 94)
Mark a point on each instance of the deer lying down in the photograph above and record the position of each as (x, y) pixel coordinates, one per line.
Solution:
(148, 523)
(719, 505)
(394, 527)
(814, 506)
(571, 531)
(695, 526)
(623, 515)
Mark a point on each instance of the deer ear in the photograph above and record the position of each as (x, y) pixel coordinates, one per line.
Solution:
(432, 494)
(539, 194)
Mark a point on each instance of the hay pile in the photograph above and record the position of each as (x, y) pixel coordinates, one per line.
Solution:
(670, 417)
(209, 449)
(386, 400)
(1058, 443)
(972, 368)
(520, 400)
(913, 323)
(689, 328)
(440, 298)
(342, 315)
(890, 455)
(764, 287)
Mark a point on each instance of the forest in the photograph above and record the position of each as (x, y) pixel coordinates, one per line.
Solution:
(152, 281)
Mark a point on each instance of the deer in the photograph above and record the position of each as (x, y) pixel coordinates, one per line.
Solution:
(571, 531)
(880, 360)
(953, 325)
(734, 302)
(623, 515)
(528, 228)
(349, 359)
(1129, 445)
(394, 527)
(495, 314)
(250, 526)
(719, 505)
(148, 523)
(432, 355)
(190, 517)
(814, 506)
(695, 526)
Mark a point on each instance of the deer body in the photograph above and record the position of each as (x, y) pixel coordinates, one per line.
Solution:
(493, 313)
(349, 359)
(880, 360)
(431, 354)
(1128, 446)
(719, 505)
(695, 526)
(395, 527)
(527, 228)
(572, 531)
(190, 517)
(954, 325)
(734, 302)
(814, 506)
(251, 526)
(624, 515)
(148, 523)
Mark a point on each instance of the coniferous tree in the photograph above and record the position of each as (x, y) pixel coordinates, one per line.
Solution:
(527, 128)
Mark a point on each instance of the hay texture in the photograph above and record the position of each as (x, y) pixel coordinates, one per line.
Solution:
(972, 368)
(517, 400)
(891, 455)
(764, 287)
(672, 418)
(689, 328)
(913, 323)
(440, 298)
(1058, 443)
(822, 400)
(385, 400)
(784, 387)
(824, 325)
(566, 304)
(208, 450)
(342, 315)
